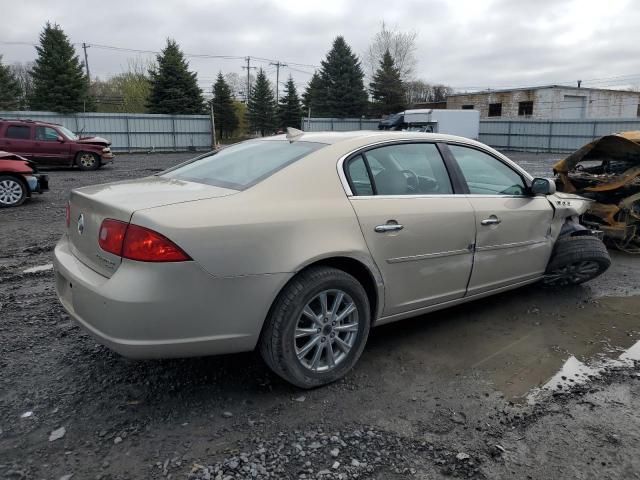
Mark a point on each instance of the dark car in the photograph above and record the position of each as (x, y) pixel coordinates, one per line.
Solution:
(393, 122)
(52, 144)
(19, 178)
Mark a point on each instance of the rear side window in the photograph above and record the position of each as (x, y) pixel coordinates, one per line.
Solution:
(404, 169)
(18, 132)
(242, 165)
(486, 175)
(359, 177)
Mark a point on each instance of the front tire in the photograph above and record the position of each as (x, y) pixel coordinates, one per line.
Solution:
(88, 161)
(317, 328)
(13, 192)
(576, 260)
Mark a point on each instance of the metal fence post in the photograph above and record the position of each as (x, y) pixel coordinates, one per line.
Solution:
(509, 136)
(593, 132)
(550, 136)
(332, 124)
(173, 131)
(126, 121)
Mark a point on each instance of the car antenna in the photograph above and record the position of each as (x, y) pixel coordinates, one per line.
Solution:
(293, 134)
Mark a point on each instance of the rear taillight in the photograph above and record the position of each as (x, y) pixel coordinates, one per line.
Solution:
(67, 214)
(138, 243)
(111, 236)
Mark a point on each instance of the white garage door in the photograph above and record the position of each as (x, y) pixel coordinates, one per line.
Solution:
(573, 106)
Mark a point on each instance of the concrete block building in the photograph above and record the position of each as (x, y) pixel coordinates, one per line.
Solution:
(549, 102)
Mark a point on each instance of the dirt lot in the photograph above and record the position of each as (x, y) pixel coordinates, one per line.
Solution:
(520, 385)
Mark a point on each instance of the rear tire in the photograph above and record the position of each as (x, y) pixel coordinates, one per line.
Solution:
(87, 161)
(576, 260)
(13, 191)
(298, 319)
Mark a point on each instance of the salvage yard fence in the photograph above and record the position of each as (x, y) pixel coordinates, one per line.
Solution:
(137, 132)
(133, 132)
(553, 136)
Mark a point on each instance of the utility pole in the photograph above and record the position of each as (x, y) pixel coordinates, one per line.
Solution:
(248, 67)
(278, 65)
(86, 61)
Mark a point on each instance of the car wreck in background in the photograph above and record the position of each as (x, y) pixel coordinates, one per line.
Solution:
(607, 170)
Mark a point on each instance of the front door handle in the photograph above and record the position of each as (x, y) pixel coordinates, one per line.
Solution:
(492, 220)
(388, 227)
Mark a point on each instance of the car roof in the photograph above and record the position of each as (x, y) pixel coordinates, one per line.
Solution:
(30, 122)
(373, 136)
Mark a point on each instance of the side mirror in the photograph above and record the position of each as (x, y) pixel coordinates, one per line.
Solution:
(60, 138)
(543, 186)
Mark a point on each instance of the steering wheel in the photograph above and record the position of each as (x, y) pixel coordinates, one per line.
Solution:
(412, 176)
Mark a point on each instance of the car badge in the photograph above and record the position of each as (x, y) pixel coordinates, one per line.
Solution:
(81, 224)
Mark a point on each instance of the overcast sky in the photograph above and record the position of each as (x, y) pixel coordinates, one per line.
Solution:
(467, 44)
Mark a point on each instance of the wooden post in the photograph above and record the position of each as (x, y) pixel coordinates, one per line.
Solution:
(213, 127)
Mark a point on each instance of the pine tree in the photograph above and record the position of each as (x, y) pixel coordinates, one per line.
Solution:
(174, 89)
(10, 91)
(342, 77)
(262, 106)
(59, 82)
(289, 110)
(314, 96)
(387, 88)
(223, 108)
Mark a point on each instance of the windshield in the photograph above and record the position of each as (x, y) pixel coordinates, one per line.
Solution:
(68, 133)
(244, 164)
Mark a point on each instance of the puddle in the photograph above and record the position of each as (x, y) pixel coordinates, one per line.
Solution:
(575, 372)
(517, 342)
(39, 268)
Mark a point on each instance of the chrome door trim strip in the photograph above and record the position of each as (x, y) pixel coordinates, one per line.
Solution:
(426, 256)
(510, 245)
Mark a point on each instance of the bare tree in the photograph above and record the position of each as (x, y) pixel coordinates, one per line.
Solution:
(238, 84)
(401, 46)
(420, 91)
(22, 72)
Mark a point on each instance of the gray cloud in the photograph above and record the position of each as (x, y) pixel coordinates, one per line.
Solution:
(466, 43)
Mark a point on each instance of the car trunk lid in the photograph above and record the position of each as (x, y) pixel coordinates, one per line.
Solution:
(89, 206)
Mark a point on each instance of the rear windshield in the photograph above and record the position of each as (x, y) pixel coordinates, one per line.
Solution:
(242, 165)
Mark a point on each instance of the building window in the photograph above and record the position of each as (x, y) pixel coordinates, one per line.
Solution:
(495, 109)
(525, 109)
(470, 107)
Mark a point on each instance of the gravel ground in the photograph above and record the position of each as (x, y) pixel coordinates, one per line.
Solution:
(527, 384)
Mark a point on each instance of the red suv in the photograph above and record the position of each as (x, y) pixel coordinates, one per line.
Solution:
(53, 144)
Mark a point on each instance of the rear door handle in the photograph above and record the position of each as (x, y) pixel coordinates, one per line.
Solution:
(492, 220)
(388, 227)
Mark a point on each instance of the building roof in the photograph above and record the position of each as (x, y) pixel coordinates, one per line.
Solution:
(539, 87)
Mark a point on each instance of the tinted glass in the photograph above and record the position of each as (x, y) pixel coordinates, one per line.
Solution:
(486, 175)
(46, 134)
(360, 182)
(244, 164)
(409, 169)
(16, 131)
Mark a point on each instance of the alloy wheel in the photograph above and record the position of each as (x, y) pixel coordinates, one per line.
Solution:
(10, 192)
(87, 160)
(573, 273)
(326, 330)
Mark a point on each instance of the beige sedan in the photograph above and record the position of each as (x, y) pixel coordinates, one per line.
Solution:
(298, 244)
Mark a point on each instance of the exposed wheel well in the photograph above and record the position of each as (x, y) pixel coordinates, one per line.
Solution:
(360, 272)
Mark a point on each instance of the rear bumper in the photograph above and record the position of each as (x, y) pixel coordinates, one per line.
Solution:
(160, 310)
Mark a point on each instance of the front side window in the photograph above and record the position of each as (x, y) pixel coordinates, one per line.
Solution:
(18, 132)
(46, 134)
(242, 165)
(406, 169)
(486, 175)
(68, 133)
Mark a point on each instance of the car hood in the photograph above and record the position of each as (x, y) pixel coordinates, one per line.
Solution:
(94, 141)
(623, 146)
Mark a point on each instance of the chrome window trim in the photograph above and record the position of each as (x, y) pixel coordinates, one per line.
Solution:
(525, 243)
(488, 150)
